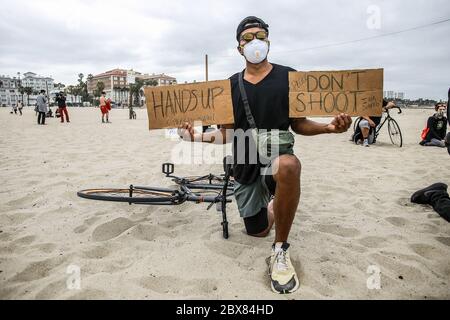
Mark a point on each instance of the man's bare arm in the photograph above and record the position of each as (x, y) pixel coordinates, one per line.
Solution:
(306, 127)
(219, 136)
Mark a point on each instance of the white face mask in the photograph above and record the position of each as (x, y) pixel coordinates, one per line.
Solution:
(256, 51)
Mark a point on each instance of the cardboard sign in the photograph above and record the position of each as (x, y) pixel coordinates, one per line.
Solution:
(171, 106)
(328, 93)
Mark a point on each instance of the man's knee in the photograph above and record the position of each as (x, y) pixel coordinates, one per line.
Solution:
(288, 167)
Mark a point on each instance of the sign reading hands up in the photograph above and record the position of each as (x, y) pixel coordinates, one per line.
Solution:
(208, 102)
(328, 93)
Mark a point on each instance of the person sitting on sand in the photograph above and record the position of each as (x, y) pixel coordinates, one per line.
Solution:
(434, 134)
(368, 125)
(266, 87)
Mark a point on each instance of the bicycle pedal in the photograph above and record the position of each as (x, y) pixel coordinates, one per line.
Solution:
(168, 168)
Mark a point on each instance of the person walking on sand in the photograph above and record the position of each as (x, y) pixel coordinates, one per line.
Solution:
(42, 107)
(61, 100)
(104, 108)
(266, 193)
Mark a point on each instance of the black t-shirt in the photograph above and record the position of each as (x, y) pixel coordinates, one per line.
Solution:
(61, 101)
(269, 104)
(438, 128)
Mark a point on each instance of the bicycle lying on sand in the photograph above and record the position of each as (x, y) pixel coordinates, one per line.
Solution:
(394, 131)
(209, 189)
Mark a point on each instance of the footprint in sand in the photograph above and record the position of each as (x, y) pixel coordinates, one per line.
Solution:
(112, 229)
(394, 268)
(231, 250)
(427, 251)
(337, 230)
(25, 240)
(38, 270)
(173, 223)
(151, 232)
(172, 285)
(98, 252)
(397, 221)
(427, 228)
(90, 294)
(87, 223)
(372, 242)
(406, 202)
(444, 240)
(52, 290)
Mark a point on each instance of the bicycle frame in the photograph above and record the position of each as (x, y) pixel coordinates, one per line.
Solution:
(388, 117)
(168, 169)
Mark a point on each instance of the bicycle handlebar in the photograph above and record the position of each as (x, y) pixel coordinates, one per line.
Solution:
(396, 107)
(399, 109)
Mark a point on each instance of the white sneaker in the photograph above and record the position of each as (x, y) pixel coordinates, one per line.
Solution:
(283, 278)
(366, 143)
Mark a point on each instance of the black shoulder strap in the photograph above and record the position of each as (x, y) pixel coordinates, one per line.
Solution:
(248, 112)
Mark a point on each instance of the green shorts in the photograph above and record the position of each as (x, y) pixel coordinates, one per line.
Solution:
(251, 198)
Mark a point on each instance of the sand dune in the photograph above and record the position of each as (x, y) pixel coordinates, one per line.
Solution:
(354, 213)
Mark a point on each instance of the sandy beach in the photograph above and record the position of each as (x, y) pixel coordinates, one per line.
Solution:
(354, 213)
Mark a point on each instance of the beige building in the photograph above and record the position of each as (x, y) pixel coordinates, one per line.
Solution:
(162, 79)
(37, 83)
(117, 84)
(9, 91)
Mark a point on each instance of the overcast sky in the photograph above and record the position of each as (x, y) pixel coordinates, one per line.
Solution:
(63, 38)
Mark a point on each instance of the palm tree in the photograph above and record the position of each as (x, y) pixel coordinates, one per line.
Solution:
(99, 89)
(28, 91)
(22, 92)
(136, 88)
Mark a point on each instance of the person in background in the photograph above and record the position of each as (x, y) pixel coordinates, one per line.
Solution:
(436, 196)
(104, 107)
(447, 137)
(20, 107)
(434, 134)
(42, 107)
(62, 107)
(367, 123)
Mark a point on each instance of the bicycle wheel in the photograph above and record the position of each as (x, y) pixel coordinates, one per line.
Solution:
(137, 195)
(395, 133)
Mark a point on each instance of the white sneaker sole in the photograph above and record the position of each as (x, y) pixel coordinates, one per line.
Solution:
(282, 291)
